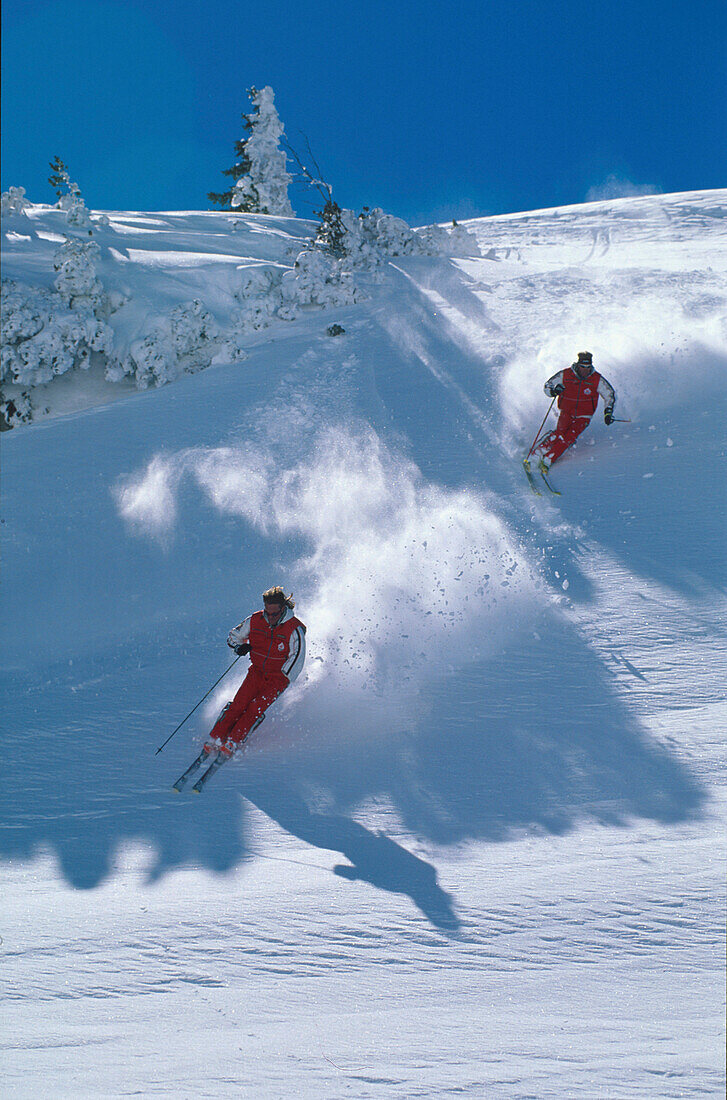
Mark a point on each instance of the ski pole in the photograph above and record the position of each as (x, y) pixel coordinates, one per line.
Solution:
(618, 420)
(171, 735)
(537, 434)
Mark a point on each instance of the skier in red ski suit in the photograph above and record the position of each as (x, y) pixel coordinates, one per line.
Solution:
(275, 640)
(577, 389)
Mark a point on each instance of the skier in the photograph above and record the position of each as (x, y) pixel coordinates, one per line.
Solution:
(275, 640)
(577, 389)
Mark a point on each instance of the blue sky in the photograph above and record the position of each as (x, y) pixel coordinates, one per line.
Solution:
(430, 110)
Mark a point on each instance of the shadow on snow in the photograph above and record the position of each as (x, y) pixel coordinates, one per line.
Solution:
(500, 752)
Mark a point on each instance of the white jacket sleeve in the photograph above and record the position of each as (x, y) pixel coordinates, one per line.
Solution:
(296, 660)
(608, 394)
(556, 380)
(239, 634)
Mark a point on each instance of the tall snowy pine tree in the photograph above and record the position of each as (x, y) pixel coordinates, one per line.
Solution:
(60, 180)
(260, 177)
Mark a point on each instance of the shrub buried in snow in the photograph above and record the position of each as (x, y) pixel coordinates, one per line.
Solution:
(51, 333)
(13, 201)
(44, 336)
(186, 342)
(47, 333)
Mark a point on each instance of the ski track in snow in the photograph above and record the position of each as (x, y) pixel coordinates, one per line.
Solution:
(479, 850)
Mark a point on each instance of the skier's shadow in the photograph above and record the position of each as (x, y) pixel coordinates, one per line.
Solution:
(374, 857)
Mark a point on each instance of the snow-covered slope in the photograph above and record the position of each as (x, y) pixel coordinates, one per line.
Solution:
(478, 847)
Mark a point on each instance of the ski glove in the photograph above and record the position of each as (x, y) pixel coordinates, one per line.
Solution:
(557, 389)
(241, 650)
(237, 636)
(608, 416)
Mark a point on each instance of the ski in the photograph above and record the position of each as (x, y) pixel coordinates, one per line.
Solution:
(529, 475)
(193, 767)
(544, 474)
(216, 759)
(216, 764)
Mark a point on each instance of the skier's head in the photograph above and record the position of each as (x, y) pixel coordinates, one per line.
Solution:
(583, 365)
(276, 602)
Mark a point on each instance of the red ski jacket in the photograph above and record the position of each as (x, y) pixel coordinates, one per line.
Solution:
(580, 395)
(273, 649)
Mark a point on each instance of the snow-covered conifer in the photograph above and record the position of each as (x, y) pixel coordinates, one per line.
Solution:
(260, 174)
(13, 201)
(331, 233)
(182, 342)
(316, 280)
(368, 239)
(44, 334)
(259, 295)
(455, 241)
(69, 195)
(59, 178)
(76, 282)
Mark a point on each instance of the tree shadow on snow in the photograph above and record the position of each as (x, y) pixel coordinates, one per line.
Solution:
(85, 805)
(509, 745)
(515, 742)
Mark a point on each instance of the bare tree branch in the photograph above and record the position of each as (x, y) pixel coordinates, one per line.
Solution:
(332, 232)
(316, 165)
(324, 189)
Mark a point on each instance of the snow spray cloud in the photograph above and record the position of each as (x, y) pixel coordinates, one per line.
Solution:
(148, 502)
(401, 578)
(653, 365)
(618, 187)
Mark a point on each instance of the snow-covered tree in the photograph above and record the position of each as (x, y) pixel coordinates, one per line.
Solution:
(69, 195)
(371, 238)
(45, 335)
(240, 168)
(13, 201)
(331, 233)
(60, 180)
(261, 179)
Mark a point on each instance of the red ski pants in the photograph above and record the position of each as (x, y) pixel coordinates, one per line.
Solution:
(565, 434)
(253, 698)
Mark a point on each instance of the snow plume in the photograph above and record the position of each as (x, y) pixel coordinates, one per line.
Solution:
(400, 579)
(615, 187)
(653, 366)
(147, 503)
